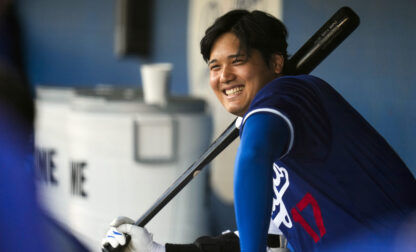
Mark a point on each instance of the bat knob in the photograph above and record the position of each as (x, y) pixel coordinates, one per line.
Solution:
(108, 248)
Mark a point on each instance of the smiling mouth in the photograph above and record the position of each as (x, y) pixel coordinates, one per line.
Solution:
(234, 91)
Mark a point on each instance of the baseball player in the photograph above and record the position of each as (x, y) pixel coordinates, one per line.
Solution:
(308, 165)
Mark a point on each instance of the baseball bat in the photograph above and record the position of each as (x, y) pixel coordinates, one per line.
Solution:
(310, 55)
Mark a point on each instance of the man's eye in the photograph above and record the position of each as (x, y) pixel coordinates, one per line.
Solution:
(237, 60)
(214, 67)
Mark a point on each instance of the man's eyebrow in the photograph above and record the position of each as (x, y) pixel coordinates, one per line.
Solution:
(232, 56)
(239, 54)
(212, 61)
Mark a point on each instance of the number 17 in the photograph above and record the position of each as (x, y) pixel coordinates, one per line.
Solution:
(308, 199)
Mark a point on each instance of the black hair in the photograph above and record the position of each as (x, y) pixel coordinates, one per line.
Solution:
(254, 30)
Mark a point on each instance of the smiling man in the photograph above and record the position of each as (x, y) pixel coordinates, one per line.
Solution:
(236, 76)
(308, 165)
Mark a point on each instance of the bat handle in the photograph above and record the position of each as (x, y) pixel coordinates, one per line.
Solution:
(108, 248)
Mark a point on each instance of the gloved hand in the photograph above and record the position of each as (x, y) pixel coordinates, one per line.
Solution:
(141, 239)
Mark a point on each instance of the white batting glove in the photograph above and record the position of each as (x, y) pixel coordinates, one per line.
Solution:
(141, 239)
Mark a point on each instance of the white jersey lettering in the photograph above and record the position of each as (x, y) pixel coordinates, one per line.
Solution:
(280, 185)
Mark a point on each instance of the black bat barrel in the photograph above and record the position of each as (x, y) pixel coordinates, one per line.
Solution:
(324, 41)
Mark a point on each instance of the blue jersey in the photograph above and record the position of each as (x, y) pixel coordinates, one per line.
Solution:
(339, 186)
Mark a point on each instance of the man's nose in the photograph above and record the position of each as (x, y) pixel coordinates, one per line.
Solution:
(227, 75)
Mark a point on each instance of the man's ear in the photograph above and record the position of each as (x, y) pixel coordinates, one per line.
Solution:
(277, 62)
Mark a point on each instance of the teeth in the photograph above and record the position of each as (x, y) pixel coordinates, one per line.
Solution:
(233, 91)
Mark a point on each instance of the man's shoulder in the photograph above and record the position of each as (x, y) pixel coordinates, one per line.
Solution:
(292, 84)
(301, 79)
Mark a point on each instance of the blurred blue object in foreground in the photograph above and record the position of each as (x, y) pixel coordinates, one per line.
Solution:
(23, 225)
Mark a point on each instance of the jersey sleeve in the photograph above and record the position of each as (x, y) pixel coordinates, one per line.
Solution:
(263, 140)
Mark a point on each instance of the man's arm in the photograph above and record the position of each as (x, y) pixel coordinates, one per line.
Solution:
(263, 140)
(225, 242)
(142, 240)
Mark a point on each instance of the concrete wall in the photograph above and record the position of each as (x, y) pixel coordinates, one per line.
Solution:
(72, 42)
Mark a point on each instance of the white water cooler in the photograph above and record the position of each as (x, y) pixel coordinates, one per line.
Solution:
(121, 156)
(51, 159)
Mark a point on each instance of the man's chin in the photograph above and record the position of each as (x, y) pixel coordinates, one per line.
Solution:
(237, 111)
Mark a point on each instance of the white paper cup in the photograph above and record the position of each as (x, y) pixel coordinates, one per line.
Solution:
(155, 82)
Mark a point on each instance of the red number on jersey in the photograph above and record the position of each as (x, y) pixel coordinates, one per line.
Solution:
(308, 199)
